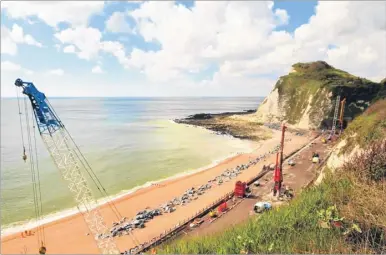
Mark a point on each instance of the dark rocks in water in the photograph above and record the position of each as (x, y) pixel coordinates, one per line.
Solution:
(208, 121)
(206, 116)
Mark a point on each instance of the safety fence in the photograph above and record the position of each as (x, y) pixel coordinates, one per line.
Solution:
(181, 225)
(174, 231)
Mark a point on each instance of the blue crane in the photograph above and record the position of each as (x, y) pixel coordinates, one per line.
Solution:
(71, 164)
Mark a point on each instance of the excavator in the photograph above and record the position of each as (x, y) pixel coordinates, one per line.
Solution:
(70, 162)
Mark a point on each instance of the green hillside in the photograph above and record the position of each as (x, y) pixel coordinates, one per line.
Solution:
(366, 128)
(315, 86)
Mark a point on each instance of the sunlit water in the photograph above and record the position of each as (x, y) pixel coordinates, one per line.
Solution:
(128, 142)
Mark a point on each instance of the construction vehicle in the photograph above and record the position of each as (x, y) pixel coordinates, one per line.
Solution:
(213, 214)
(240, 189)
(315, 158)
(223, 207)
(278, 174)
(260, 207)
(70, 162)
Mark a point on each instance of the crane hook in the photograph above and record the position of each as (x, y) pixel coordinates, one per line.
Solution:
(42, 250)
(24, 155)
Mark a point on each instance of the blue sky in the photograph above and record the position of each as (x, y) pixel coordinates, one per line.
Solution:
(156, 56)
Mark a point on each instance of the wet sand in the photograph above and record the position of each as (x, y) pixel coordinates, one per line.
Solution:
(69, 235)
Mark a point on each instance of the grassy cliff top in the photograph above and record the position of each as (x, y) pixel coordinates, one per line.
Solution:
(315, 85)
(327, 75)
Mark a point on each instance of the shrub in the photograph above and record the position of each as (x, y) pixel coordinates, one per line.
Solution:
(371, 163)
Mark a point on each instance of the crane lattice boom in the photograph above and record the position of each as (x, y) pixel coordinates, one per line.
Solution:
(333, 129)
(66, 157)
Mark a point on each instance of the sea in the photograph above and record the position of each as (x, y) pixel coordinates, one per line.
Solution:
(129, 142)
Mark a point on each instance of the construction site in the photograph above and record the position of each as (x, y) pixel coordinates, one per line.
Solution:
(254, 183)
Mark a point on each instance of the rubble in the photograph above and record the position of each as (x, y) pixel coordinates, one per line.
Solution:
(193, 193)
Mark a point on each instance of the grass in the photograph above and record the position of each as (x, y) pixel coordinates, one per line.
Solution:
(296, 228)
(367, 128)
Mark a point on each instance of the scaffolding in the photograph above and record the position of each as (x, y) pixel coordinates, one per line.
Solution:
(333, 129)
(342, 105)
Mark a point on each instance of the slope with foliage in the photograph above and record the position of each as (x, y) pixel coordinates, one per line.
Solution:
(367, 128)
(305, 97)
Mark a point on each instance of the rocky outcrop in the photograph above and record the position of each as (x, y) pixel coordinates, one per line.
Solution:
(305, 98)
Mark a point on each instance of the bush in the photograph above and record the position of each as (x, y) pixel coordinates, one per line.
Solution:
(371, 163)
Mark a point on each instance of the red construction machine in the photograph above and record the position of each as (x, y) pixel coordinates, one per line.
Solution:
(240, 189)
(278, 174)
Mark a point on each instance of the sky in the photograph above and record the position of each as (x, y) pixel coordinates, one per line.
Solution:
(183, 48)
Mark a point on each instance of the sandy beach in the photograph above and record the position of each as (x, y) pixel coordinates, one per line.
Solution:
(69, 235)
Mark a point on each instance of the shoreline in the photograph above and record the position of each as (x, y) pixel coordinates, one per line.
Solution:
(16, 227)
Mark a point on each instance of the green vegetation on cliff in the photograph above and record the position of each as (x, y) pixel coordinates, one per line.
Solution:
(366, 128)
(313, 87)
(353, 196)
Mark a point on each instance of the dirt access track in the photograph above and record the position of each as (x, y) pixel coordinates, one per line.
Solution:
(297, 177)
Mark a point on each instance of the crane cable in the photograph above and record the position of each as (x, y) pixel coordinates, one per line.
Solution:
(97, 183)
(38, 178)
(21, 125)
(38, 212)
(92, 175)
(35, 175)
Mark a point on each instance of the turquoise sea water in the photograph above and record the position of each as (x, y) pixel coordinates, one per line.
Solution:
(127, 141)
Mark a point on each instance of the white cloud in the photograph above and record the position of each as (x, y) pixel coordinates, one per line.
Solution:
(69, 49)
(10, 39)
(282, 16)
(58, 71)
(87, 44)
(85, 39)
(358, 32)
(8, 66)
(96, 69)
(243, 40)
(117, 23)
(75, 13)
(211, 32)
